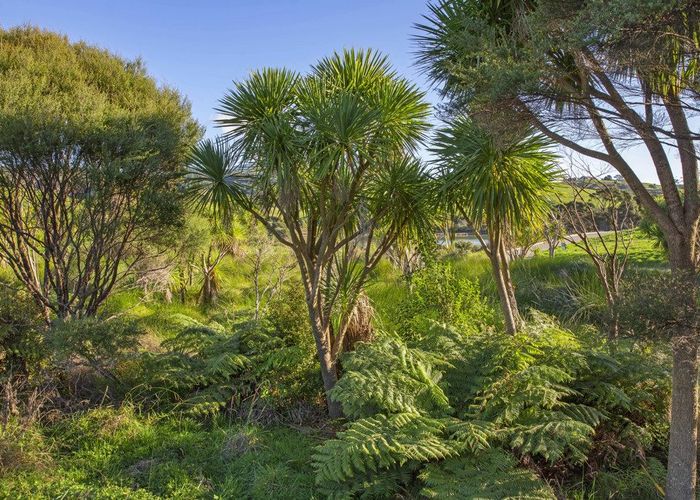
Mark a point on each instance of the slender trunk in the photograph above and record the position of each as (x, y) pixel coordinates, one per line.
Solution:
(614, 332)
(606, 279)
(256, 286)
(611, 300)
(209, 288)
(502, 287)
(329, 370)
(507, 278)
(682, 448)
(183, 287)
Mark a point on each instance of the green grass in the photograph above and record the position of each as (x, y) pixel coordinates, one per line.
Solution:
(643, 251)
(110, 453)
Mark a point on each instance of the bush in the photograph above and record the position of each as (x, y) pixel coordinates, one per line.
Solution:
(288, 315)
(438, 294)
(652, 304)
(204, 369)
(22, 334)
(104, 347)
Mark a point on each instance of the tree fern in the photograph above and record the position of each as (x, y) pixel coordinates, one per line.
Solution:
(492, 474)
(373, 445)
(388, 377)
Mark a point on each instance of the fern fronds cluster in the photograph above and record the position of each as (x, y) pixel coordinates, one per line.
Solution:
(388, 377)
(545, 396)
(197, 369)
(204, 368)
(493, 473)
(371, 447)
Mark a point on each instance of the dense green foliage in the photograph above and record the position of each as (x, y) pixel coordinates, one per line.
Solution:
(257, 343)
(435, 409)
(91, 155)
(547, 395)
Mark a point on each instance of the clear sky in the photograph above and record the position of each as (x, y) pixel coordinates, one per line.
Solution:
(201, 46)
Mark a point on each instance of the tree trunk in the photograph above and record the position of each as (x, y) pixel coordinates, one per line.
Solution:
(682, 448)
(209, 288)
(329, 370)
(256, 284)
(507, 278)
(182, 288)
(504, 297)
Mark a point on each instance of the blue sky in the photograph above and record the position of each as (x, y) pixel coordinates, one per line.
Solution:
(200, 47)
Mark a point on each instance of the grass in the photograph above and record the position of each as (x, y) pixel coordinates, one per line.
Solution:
(643, 251)
(118, 453)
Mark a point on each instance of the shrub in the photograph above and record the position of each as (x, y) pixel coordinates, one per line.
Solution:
(438, 294)
(22, 334)
(287, 313)
(653, 304)
(206, 368)
(198, 370)
(99, 345)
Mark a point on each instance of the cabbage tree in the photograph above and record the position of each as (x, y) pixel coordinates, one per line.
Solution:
(496, 182)
(325, 161)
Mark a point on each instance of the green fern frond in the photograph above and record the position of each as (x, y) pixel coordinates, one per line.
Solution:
(388, 377)
(491, 474)
(378, 443)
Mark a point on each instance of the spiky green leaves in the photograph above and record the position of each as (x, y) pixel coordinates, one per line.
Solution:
(321, 143)
(215, 179)
(497, 181)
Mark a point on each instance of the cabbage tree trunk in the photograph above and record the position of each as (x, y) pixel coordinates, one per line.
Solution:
(504, 283)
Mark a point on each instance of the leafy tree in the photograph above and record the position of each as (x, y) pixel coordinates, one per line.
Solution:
(596, 77)
(329, 156)
(91, 150)
(498, 183)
